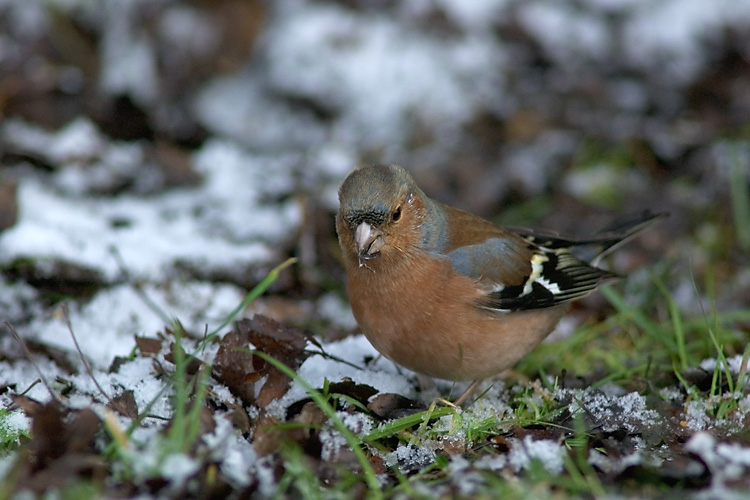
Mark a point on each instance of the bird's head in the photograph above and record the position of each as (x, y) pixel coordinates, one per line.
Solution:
(380, 212)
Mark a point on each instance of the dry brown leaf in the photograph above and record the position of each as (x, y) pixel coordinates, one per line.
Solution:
(125, 404)
(148, 346)
(392, 406)
(234, 367)
(240, 371)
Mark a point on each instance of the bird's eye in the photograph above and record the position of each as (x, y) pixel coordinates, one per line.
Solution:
(396, 214)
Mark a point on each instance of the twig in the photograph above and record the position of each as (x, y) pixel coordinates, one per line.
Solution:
(66, 315)
(26, 351)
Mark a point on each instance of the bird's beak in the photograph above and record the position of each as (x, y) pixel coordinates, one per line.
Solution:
(369, 241)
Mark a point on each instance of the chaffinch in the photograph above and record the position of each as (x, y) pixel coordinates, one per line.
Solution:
(448, 294)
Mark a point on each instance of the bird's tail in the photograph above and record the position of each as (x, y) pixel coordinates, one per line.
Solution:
(622, 229)
(603, 242)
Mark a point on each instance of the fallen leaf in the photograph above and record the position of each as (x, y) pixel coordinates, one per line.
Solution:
(27, 404)
(61, 449)
(125, 404)
(240, 371)
(235, 368)
(148, 346)
(392, 406)
(239, 417)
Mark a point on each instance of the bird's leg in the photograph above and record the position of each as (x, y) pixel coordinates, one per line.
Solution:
(426, 383)
(468, 392)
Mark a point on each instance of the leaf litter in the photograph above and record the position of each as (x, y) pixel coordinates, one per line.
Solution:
(625, 436)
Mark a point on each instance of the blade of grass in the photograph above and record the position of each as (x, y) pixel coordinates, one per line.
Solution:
(742, 375)
(688, 388)
(407, 422)
(677, 323)
(256, 292)
(177, 429)
(194, 415)
(350, 400)
(423, 426)
(721, 361)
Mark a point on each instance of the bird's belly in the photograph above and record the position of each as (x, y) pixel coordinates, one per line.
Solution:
(470, 349)
(431, 332)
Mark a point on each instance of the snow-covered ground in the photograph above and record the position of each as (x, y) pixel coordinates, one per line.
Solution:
(326, 86)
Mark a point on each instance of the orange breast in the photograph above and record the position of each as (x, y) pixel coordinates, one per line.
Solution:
(423, 315)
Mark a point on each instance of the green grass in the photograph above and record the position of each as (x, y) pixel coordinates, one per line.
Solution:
(396, 427)
(10, 433)
(637, 340)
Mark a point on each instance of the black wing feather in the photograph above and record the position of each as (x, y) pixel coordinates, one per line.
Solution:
(563, 278)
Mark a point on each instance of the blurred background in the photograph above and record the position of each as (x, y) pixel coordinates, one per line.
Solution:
(205, 140)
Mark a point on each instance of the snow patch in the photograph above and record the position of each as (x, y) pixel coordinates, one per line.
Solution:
(549, 453)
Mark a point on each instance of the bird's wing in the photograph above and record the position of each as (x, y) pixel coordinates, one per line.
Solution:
(554, 276)
(516, 271)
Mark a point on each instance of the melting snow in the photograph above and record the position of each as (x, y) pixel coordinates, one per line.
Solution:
(726, 461)
(549, 453)
(611, 412)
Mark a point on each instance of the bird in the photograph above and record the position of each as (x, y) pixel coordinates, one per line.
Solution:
(450, 295)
